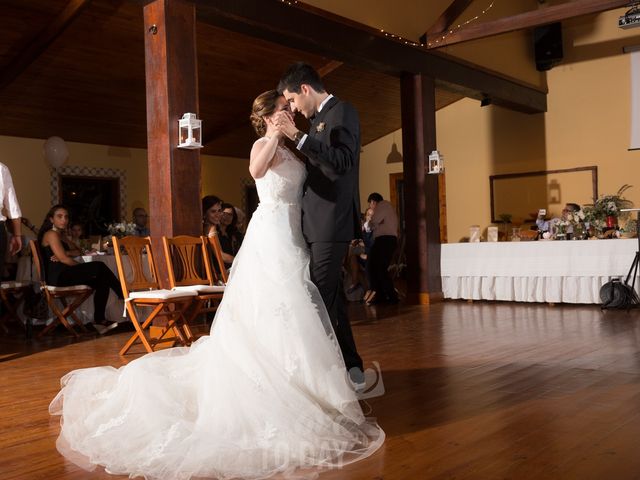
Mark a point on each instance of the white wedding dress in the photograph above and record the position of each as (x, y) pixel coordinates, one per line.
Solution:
(265, 392)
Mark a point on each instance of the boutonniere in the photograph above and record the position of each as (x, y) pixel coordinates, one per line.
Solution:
(320, 127)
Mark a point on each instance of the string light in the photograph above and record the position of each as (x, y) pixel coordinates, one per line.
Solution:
(406, 41)
(443, 37)
(461, 25)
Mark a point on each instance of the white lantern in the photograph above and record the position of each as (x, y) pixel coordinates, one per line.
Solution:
(436, 163)
(190, 131)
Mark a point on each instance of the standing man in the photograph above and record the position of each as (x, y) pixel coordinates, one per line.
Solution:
(9, 206)
(140, 219)
(331, 201)
(384, 223)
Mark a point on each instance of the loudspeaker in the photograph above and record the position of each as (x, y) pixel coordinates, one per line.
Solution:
(547, 42)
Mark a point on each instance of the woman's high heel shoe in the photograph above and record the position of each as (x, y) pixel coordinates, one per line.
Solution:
(103, 328)
(371, 298)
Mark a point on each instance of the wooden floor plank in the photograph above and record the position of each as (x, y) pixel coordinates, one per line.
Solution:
(471, 391)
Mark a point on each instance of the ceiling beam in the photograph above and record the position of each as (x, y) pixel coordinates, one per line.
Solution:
(543, 16)
(315, 31)
(41, 41)
(328, 68)
(453, 11)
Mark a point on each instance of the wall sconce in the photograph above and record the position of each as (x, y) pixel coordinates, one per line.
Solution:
(436, 163)
(190, 131)
(554, 192)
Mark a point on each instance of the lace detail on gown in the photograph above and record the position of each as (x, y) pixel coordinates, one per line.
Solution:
(265, 392)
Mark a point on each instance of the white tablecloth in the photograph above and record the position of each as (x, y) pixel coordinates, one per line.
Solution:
(541, 271)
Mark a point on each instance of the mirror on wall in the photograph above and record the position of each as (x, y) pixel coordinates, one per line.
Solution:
(521, 195)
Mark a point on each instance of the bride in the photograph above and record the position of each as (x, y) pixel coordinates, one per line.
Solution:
(266, 392)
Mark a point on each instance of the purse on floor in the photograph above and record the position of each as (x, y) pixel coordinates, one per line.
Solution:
(35, 305)
(618, 294)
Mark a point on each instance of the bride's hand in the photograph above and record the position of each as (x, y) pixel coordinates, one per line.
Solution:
(277, 133)
(274, 131)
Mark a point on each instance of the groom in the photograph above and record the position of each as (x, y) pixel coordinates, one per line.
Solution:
(331, 202)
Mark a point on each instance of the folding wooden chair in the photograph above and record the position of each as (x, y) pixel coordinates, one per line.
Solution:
(221, 272)
(11, 296)
(141, 291)
(190, 269)
(70, 297)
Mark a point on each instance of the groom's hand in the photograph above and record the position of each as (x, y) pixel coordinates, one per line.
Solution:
(284, 123)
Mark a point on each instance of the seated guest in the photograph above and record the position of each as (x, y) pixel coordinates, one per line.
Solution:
(140, 219)
(60, 269)
(357, 256)
(211, 213)
(367, 233)
(548, 225)
(77, 238)
(230, 237)
(242, 220)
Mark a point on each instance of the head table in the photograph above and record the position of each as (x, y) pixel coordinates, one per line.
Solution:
(570, 271)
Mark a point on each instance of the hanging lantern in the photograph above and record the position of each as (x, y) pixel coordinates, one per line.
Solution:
(190, 131)
(436, 163)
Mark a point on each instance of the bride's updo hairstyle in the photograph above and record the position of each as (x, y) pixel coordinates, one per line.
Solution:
(263, 106)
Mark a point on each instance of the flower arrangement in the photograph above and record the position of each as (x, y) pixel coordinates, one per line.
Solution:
(610, 205)
(605, 212)
(571, 222)
(575, 218)
(593, 219)
(121, 229)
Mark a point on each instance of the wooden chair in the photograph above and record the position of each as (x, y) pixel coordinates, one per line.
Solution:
(190, 269)
(141, 291)
(222, 274)
(12, 296)
(70, 297)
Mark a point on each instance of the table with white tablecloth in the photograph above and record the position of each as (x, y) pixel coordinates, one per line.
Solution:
(570, 271)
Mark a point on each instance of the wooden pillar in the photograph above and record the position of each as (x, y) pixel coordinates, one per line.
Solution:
(422, 218)
(172, 90)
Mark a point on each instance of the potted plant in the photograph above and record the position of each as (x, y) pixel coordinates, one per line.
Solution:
(605, 212)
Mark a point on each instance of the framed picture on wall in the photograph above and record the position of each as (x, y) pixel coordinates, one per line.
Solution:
(92, 201)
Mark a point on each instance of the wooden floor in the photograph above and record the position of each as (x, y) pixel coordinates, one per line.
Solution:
(472, 391)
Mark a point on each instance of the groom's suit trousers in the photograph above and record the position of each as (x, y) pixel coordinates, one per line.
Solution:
(326, 269)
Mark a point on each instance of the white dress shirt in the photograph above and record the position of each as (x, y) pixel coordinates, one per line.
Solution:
(8, 195)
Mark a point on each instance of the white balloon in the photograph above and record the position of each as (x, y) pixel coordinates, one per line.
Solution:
(55, 151)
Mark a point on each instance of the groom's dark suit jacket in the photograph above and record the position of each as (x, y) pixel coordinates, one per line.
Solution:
(331, 201)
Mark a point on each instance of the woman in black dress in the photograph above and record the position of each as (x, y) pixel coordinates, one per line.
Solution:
(228, 233)
(61, 270)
